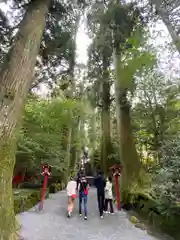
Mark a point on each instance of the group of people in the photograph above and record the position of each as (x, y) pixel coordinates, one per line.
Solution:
(80, 186)
(104, 194)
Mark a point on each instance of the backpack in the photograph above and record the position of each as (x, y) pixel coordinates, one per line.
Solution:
(84, 189)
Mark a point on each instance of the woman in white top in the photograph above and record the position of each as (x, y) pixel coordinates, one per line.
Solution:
(109, 196)
(71, 193)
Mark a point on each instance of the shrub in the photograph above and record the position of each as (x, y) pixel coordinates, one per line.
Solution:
(149, 208)
(31, 185)
(53, 179)
(55, 187)
(25, 199)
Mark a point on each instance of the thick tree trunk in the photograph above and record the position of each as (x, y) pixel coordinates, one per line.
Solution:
(105, 117)
(15, 80)
(69, 144)
(94, 132)
(72, 92)
(66, 148)
(106, 138)
(93, 137)
(77, 147)
(8, 223)
(74, 140)
(72, 63)
(68, 152)
(129, 157)
(80, 126)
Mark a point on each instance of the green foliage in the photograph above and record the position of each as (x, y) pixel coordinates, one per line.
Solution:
(167, 187)
(55, 187)
(149, 207)
(156, 125)
(135, 58)
(155, 106)
(30, 185)
(95, 158)
(43, 137)
(24, 199)
(154, 115)
(113, 157)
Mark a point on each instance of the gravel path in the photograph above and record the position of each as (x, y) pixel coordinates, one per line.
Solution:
(52, 224)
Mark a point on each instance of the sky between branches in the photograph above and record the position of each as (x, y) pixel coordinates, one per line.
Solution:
(168, 58)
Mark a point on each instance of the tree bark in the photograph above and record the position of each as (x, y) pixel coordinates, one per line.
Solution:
(92, 136)
(15, 79)
(128, 154)
(72, 63)
(78, 146)
(80, 128)
(105, 117)
(68, 151)
(72, 92)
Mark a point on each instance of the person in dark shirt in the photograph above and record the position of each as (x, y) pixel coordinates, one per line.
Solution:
(100, 184)
(83, 195)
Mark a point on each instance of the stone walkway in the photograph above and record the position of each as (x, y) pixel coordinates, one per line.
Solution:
(52, 224)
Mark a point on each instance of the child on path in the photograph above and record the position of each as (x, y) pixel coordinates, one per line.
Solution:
(83, 195)
(109, 196)
(71, 193)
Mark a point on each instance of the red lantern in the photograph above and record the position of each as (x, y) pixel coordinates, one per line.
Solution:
(46, 172)
(116, 173)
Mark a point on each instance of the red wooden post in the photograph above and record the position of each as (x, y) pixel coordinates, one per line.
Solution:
(45, 173)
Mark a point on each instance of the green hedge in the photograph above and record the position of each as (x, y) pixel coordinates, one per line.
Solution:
(25, 199)
(55, 187)
(30, 194)
(53, 179)
(30, 185)
(149, 208)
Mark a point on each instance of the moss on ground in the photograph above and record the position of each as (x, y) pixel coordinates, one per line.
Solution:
(148, 208)
(25, 199)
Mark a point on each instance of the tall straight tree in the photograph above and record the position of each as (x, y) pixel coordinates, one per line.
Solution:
(118, 19)
(72, 86)
(15, 80)
(105, 117)
(103, 96)
(100, 59)
(122, 28)
(71, 94)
